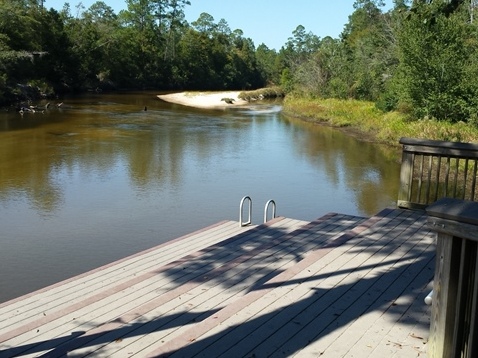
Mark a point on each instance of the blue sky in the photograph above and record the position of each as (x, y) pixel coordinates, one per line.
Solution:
(269, 22)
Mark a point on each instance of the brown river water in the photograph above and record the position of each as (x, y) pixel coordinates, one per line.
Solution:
(100, 178)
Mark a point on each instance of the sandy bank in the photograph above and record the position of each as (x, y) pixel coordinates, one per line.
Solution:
(204, 99)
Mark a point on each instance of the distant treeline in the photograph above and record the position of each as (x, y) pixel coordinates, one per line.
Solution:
(420, 57)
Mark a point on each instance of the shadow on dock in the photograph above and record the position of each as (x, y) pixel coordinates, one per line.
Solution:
(336, 285)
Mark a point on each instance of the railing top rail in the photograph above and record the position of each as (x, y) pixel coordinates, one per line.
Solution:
(462, 211)
(454, 217)
(438, 147)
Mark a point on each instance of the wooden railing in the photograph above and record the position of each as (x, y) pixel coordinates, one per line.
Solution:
(436, 169)
(454, 318)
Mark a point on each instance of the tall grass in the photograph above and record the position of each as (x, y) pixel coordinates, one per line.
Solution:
(383, 127)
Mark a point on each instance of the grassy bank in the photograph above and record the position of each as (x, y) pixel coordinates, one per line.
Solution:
(363, 118)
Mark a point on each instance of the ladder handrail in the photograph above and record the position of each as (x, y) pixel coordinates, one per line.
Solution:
(273, 209)
(241, 207)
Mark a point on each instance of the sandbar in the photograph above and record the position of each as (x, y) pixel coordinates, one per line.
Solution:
(210, 100)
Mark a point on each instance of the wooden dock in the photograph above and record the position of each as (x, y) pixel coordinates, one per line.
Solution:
(339, 286)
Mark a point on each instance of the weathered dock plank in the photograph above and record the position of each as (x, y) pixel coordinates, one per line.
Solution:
(306, 308)
(373, 311)
(92, 307)
(69, 297)
(303, 237)
(211, 281)
(337, 286)
(121, 272)
(169, 251)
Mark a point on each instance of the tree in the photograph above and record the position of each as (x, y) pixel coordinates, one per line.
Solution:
(176, 22)
(438, 55)
(247, 73)
(267, 61)
(366, 44)
(59, 65)
(141, 37)
(35, 47)
(200, 55)
(147, 45)
(295, 54)
(93, 34)
(332, 69)
(300, 45)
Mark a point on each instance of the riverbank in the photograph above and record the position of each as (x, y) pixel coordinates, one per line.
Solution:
(357, 118)
(209, 100)
(364, 120)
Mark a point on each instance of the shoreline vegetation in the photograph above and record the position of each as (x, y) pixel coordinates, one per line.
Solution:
(357, 118)
(361, 118)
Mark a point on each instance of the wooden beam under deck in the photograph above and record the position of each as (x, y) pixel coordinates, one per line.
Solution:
(339, 286)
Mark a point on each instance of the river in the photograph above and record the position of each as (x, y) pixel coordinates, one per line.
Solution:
(100, 178)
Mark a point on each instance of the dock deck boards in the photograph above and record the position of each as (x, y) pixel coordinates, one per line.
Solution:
(339, 286)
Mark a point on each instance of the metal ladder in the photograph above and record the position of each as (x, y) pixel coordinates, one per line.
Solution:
(249, 220)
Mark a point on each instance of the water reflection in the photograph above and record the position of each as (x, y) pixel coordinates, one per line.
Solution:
(370, 171)
(100, 178)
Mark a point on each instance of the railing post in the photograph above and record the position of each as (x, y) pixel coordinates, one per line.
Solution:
(444, 297)
(454, 317)
(406, 178)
